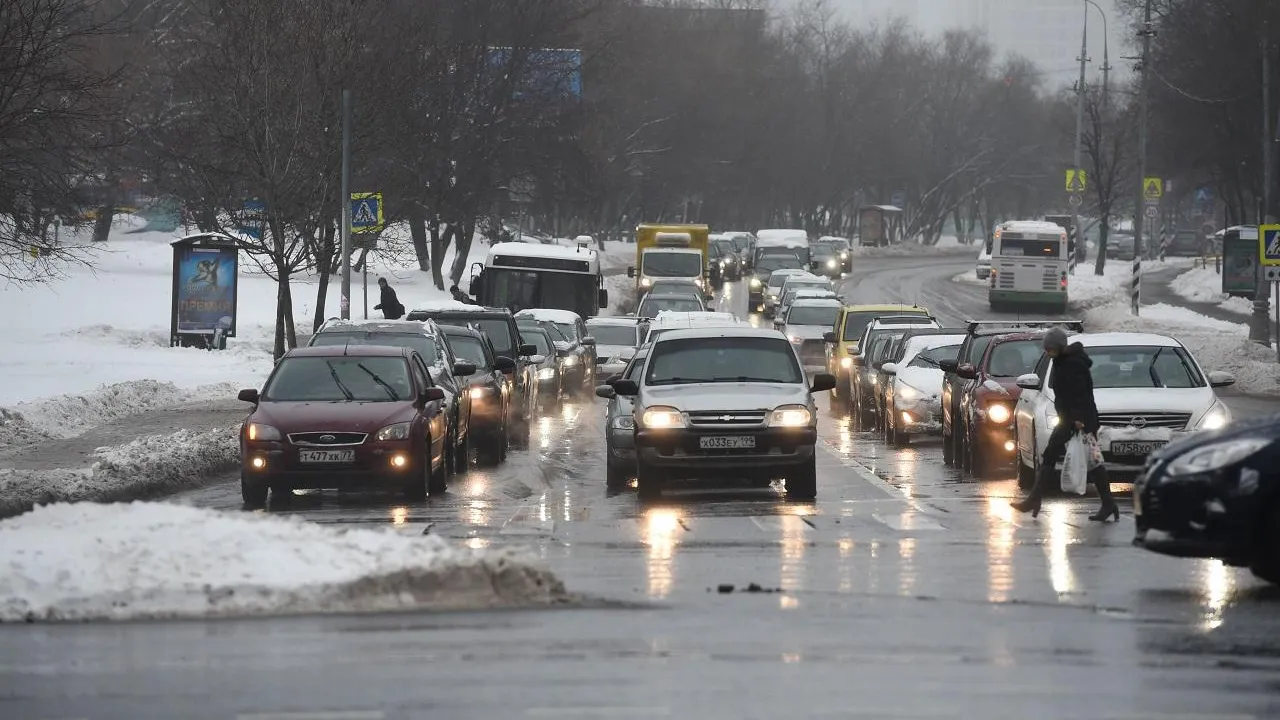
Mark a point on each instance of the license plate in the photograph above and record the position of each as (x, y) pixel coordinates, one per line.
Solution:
(1136, 447)
(733, 442)
(326, 456)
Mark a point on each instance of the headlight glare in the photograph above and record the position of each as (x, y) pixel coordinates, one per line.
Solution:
(547, 373)
(906, 392)
(1216, 456)
(569, 360)
(1217, 417)
(479, 392)
(662, 417)
(258, 431)
(1053, 421)
(831, 263)
(755, 282)
(999, 413)
(790, 416)
(846, 362)
(624, 422)
(395, 431)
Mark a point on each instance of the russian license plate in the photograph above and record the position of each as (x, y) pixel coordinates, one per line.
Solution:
(731, 442)
(326, 456)
(1136, 447)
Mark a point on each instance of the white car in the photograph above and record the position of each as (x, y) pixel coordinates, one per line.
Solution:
(616, 341)
(913, 398)
(804, 323)
(773, 289)
(1148, 388)
(669, 320)
(983, 267)
(790, 295)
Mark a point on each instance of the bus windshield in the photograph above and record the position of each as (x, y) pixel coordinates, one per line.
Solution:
(523, 289)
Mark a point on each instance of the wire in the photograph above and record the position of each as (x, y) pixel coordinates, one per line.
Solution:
(1195, 98)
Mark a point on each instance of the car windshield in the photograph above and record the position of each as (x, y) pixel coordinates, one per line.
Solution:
(776, 280)
(739, 243)
(856, 322)
(653, 305)
(469, 349)
(498, 330)
(812, 315)
(1013, 358)
(929, 357)
(538, 340)
(724, 246)
(882, 341)
(1143, 367)
(819, 251)
(769, 263)
(569, 330)
(613, 334)
(723, 359)
(426, 346)
(340, 379)
(666, 264)
(714, 251)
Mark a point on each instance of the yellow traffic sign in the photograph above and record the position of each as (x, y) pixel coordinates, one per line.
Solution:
(1077, 180)
(1269, 245)
(1152, 188)
(366, 212)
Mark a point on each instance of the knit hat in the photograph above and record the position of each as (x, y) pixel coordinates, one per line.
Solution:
(1055, 339)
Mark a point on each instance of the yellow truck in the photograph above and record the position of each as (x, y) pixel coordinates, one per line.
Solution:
(671, 252)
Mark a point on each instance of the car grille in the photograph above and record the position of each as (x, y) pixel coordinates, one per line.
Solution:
(327, 439)
(726, 418)
(813, 352)
(1175, 421)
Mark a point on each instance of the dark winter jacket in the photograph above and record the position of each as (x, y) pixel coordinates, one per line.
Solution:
(390, 304)
(1072, 386)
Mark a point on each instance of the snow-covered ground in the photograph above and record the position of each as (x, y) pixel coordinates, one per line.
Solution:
(1087, 290)
(1205, 285)
(86, 561)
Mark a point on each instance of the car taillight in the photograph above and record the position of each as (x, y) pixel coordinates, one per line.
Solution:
(1064, 281)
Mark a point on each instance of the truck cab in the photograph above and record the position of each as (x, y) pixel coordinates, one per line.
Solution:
(671, 252)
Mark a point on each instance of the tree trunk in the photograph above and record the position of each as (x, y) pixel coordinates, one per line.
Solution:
(278, 348)
(462, 249)
(438, 244)
(324, 264)
(1104, 225)
(418, 231)
(102, 224)
(286, 295)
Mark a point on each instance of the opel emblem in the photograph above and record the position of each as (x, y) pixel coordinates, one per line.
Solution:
(1138, 422)
(726, 418)
(328, 438)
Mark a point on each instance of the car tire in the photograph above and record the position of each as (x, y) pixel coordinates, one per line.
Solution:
(977, 461)
(437, 481)
(948, 446)
(416, 489)
(649, 482)
(462, 455)
(253, 491)
(492, 449)
(615, 476)
(802, 483)
(1266, 564)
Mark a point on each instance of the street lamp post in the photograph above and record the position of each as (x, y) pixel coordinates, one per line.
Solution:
(1106, 54)
(1084, 58)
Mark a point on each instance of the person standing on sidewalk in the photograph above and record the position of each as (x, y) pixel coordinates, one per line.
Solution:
(1073, 401)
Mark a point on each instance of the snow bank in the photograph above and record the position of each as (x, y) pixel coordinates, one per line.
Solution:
(69, 415)
(151, 465)
(1216, 345)
(1204, 285)
(912, 249)
(153, 560)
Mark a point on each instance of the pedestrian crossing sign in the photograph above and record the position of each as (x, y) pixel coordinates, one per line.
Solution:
(1269, 245)
(366, 212)
(1077, 180)
(1152, 188)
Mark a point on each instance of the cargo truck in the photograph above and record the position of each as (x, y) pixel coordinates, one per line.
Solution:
(671, 252)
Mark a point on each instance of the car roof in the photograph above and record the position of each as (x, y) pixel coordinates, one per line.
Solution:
(617, 320)
(550, 315)
(1113, 339)
(932, 341)
(904, 309)
(671, 317)
(538, 250)
(817, 301)
(453, 306)
(349, 350)
(404, 327)
(786, 272)
(461, 331)
(720, 332)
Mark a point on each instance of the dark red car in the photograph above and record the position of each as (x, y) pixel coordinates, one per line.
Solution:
(987, 442)
(339, 417)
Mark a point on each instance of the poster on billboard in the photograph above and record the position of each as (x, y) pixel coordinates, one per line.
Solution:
(1240, 262)
(205, 279)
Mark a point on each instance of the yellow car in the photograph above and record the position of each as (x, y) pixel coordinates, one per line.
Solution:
(850, 322)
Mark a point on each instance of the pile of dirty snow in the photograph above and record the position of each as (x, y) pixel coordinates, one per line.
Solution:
(66, 416)
(148, 466)
(86, 561)
(1217, 345)
(1205, 285)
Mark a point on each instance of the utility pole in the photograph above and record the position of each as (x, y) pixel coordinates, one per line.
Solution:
(1259, 322)
(345, 302)
(1139, 241)
(1075, 209)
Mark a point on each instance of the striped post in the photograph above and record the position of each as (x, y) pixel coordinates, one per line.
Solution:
(1135, 284)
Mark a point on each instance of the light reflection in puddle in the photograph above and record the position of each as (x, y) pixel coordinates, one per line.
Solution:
(1218, 583)
(1000, 544)
(661, 529)
(1060, 538)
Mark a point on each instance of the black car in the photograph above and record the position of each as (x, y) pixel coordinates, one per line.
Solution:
(723, 261)
(578, 364)
(424, 337)
(500, 326)
(1215, 494)
(782, 259)
(549, 377)
(489, 390)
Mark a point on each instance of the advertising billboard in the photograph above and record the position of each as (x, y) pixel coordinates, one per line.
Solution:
(205, 278)
(1240, 262)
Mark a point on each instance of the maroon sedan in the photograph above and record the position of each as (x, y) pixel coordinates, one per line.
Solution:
(339, 417)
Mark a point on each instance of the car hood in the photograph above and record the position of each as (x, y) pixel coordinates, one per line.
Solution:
(807, 332)
(926, 380)
(611, 351)
(1119, 400)
(294, 417)
(726, 396)
(1005, 388)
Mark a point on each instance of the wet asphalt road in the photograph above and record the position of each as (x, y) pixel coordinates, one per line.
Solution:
(904, 591)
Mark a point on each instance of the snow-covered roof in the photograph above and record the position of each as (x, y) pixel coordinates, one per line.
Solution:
(379, 324)
(550, 315)
(542, 251)
(448, 306)
(736, 331)
(918, 343)
(670, 318)
(1120, 339)
(614, 321)
(784, 272)
(779, 237)
(1036, 226)
(805, 292)
(816, 301)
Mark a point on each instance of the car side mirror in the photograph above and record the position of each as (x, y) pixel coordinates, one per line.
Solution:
(250, 395)
(822, 381)
(461, 369)
(631, 271)
(537, 359)
(967, 371)
(947, 365)
(504, 364)
(606, 392)
(588, 341)
(1221, 379)
(626, 388)
(526, 350)
(890, 368)
(602, 298)
(1030, 381)
(829, 338)
(432, 393)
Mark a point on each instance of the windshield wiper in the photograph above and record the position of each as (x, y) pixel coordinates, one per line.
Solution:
(1155, 376)
(381, 383)
(333, 372)
(745, 379)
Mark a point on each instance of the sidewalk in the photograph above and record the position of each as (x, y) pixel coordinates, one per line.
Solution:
(1156, 289)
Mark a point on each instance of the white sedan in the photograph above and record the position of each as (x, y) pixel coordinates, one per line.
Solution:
(1148, 388)
(912, 399)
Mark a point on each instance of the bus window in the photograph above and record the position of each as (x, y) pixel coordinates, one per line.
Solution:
(1031, 247)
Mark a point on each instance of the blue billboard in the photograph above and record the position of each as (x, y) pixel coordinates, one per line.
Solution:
(205, 278)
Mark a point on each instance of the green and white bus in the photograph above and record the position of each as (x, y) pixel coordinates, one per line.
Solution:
(1030, 262)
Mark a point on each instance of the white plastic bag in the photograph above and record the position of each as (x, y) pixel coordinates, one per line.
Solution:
(1095, 451)
(1075, 466)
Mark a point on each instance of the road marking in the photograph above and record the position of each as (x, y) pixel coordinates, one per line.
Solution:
(783, 523)
(316, 715)
(863, 472)
(586, 711)
(525, 521)
(908, 521)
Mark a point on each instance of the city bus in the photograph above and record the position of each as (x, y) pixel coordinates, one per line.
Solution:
(1030, 262)
(521, 276)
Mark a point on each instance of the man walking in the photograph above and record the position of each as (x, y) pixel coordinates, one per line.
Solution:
(390, 304)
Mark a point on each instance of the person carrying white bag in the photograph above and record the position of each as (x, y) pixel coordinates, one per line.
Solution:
(1076, 432)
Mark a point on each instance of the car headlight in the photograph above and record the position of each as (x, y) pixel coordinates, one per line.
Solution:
(1217, 417)
(755, 282)
(395, 431)
(796, 339)
(645, 282)
(1216, 456)
(1053, 421)
(906, 392)
(846, 362)
(697, 281)
(831, 263)
(623, 422)
(844, 256)
(790, 416)
(480, 392)
(722, 264)
(258, 431)
(546, 373)
(662, 417)
(569, 360)
(773, 297)
(1000, 414)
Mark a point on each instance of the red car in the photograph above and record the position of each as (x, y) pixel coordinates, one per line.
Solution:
(344, 416)
(986, 409)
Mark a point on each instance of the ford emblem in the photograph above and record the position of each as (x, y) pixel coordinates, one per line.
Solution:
(1138, 422)
(328, 438)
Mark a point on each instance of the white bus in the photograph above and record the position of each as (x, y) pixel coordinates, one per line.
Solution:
(794, 241)
(521, 276)
(1030, 261)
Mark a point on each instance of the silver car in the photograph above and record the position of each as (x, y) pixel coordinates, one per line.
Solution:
(616, 341)
(620, 444)
(805, 322)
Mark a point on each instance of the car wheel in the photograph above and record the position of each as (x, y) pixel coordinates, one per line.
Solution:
(417, 487)
(802, 483)
(437, 480)
(253, 491)
(462, 455)
(962, 450)
(649, 482)
(1266, 565)
(977, 461)
(1026, 475)
(948, 446)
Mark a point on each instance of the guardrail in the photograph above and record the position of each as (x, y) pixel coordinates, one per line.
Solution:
(1204, 260)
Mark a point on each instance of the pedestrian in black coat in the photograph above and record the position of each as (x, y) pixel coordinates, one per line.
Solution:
(1073, 401)
(389, 304)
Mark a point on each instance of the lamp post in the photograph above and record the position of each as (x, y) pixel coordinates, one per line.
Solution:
(1106, 54)
(1084, 58)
